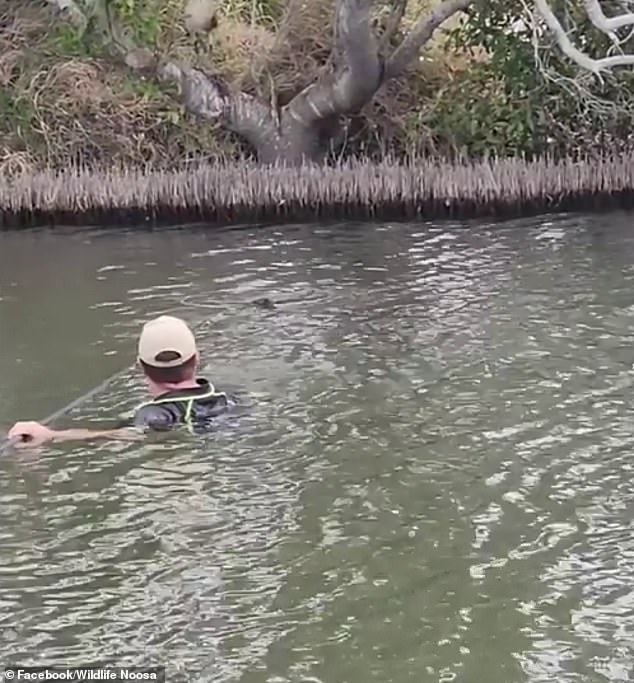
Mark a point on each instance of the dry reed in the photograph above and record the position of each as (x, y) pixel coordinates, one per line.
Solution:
(243, 192)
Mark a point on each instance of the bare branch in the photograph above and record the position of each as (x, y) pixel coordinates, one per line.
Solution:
(596, 66)
(358, 74)
(611, 25)
(587, 102)
(410, 48)
(606, 24)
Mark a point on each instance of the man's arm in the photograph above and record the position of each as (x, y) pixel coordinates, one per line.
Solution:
(35, 434)
(150, 417)
(90, 434)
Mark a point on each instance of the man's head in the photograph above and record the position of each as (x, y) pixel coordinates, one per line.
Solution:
(167, 351)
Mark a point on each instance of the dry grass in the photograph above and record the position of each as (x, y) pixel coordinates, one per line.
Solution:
(245, 192)
(58, 108)
(302, 46)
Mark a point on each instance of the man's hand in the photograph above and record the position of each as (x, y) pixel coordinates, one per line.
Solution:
(30, 434)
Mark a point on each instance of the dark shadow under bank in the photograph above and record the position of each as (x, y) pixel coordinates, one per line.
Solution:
(242, 193)
(168, 216)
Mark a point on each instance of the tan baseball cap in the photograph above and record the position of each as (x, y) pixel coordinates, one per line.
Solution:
(166, 333)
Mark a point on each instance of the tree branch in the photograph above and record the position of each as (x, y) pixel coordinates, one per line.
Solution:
(606, 24)
(208, 96)
(358, 74)
(596, 66)
(411, 46)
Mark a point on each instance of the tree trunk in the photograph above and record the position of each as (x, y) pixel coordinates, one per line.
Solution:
(291, 145)
(288, 136)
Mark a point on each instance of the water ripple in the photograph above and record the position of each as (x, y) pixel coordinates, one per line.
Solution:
(431, 478)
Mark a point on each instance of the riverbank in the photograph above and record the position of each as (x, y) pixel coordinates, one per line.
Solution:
(66, 98)
(237, 192)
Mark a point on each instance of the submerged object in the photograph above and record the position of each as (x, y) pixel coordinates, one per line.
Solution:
(264, 302)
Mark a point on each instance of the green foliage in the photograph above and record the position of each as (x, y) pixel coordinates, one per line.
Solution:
(144, 89)
(68, 41)
(502, 28)
(17, 119)
(510, 52)
(477, 116)
(16, 111)
(508, 103)
(142, 18)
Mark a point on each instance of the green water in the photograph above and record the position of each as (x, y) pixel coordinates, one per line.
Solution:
(434, 481)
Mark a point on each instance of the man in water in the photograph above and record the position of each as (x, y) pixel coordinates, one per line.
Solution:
(169, 359)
